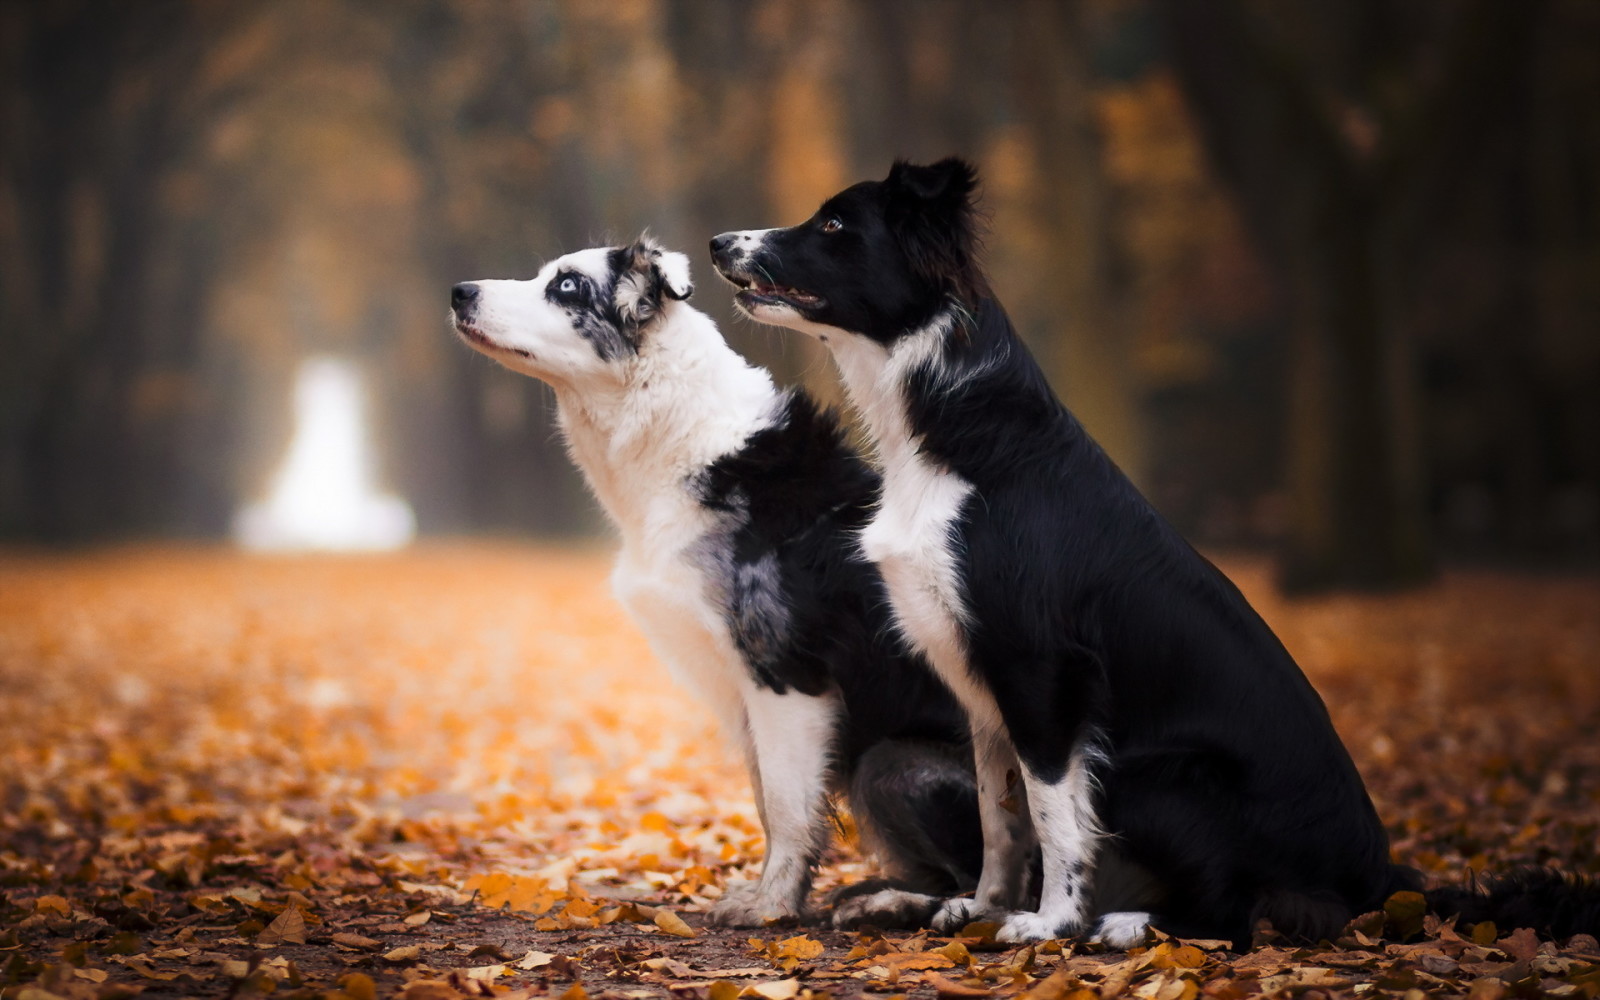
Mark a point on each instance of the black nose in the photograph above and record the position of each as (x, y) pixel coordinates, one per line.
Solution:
(463, 294)
(722, 244)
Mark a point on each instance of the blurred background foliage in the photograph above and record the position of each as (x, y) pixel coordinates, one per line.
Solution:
(1322, 276)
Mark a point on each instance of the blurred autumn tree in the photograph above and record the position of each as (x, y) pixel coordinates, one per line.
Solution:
(1352, 136)
(1324, 277)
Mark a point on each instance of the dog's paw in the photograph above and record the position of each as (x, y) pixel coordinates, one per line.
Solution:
(886, 908)
(1019, 928)
(745, 906)
(956, 913)
(1121, 931)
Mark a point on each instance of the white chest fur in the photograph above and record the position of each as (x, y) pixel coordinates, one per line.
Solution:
(689, 401)
(912, 537)
(669, 598)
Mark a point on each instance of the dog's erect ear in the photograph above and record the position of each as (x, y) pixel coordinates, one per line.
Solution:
(932, 212)
(674, 268)
(950, 182)
(646, 275)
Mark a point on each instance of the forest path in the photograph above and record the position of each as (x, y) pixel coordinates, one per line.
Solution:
(223, 774)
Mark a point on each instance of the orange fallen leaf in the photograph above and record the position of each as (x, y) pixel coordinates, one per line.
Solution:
(959, 991)
(359, 986)
(673, 924)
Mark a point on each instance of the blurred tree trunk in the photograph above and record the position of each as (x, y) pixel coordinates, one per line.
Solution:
(1083, 337)
(1342, 198)
(102, 103)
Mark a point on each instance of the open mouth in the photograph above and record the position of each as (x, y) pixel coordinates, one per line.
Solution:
(754, 293)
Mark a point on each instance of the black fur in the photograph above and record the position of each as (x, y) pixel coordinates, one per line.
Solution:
(809, 614)
(1091, 618)
(916, 802)
(1554, 903)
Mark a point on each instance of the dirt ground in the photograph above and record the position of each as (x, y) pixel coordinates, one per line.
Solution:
(459, 772)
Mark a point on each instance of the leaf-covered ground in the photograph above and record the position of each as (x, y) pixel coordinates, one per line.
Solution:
(458, 772)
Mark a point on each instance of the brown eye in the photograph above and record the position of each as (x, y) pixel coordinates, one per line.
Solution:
(832, 225)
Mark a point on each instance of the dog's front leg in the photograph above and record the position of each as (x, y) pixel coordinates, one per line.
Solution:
(1069, 834)
(1007, 834)
(792, 735)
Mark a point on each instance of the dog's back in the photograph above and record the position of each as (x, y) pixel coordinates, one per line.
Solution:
(1221, 770)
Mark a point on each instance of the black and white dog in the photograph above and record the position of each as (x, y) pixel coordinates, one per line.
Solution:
(738, 505)
(1173, 760)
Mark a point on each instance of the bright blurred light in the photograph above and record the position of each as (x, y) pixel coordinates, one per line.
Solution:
(323, 496)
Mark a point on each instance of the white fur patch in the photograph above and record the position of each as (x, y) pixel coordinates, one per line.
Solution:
(792, 736)
(675, 274)
(1069, 833)
(1123, 930)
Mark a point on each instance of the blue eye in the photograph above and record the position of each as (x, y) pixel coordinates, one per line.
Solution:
(567, 286)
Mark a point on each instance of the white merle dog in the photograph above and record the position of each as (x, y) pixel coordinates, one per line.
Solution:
(738, 505)
(1173, 758)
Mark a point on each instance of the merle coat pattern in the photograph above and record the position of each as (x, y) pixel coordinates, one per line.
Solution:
(738, 505)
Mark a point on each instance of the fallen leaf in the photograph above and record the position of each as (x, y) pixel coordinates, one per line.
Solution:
(1405, 911)
(1053, 987)
(360, 986)
(673, 924)
(946, 988)
(429, 989)
(956, 952)
(289, 927)
(1521, 944)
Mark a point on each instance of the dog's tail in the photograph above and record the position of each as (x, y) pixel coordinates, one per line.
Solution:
(1556, 904)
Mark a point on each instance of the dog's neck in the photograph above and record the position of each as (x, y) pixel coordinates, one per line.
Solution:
(874, 376)
(686, 400)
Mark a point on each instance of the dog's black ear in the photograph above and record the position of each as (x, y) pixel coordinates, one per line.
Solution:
(950, 182)
(647, 274)
(932, 212)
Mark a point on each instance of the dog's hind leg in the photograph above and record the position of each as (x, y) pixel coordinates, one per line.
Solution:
(792, 735)
(916, 805)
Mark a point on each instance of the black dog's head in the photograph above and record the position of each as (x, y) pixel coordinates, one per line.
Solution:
(878, 259)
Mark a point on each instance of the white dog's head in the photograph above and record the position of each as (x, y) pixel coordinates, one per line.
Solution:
(581, 317)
